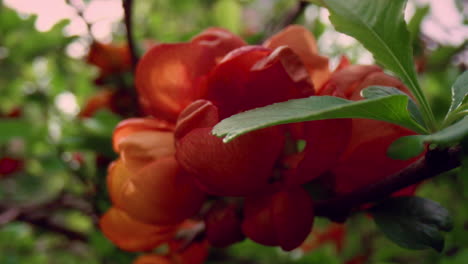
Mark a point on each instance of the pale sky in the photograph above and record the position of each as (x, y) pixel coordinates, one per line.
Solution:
(101, 13)
(443, 24)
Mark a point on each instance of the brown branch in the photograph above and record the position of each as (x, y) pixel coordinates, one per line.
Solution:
(128, 6)
(432, 164)
(41, 215)
(52, 226)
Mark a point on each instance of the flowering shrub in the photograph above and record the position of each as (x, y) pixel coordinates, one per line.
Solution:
(171, 168)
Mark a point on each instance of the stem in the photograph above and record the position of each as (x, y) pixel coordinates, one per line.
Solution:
(432, 164)
(128, 6)
(427, 113)
(458, 113)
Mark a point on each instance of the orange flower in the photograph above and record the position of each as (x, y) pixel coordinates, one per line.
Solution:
(132, 235)
(188, 88)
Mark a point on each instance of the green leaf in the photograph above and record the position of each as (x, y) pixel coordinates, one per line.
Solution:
(101, 124)
(380, 91)
(459, 91)
(13, 128)
(380, 27)
(413, 222)
(390, 109)
(411, 146)
(406, 148)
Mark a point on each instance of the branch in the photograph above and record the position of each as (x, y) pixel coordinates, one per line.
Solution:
(289, 18)
(79, 11)
(40, 215)
(128, 6)
(432, 164)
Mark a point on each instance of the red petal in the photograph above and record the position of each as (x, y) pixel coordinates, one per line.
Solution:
(325, 142)
(168, 77)
(141, 141)
(343, 82)
(109, 58)
(131, 235)
(199, 114)
(236, 168)
(223, 225)
(365, 161)
(283, 218)
(160, 193)
(253, 77)
(302, 42)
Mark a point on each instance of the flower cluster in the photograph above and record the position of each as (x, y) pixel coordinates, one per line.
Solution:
(172, 169)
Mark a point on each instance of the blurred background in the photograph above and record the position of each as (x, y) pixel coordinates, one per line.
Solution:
(61, 97)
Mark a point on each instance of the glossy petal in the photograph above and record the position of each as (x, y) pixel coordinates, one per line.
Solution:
(168, 77)
(141, 141)
(302, 42)
(254, 76)
(132, 235)
(343, 83)
(160, 193)
(282, 219)
(325, 142)
(237, 168)
(367, 162)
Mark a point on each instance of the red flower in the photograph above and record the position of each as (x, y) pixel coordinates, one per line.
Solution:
(9, 166)
(282, 219)
(147, 182)
(170, 160)
(364, 160)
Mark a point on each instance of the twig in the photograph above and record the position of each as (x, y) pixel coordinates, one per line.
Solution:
(50, 225)
(435, 162)
(128, 6)
(41, 215)
(79, 12)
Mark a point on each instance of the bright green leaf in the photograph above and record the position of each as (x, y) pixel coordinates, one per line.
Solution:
(459, 91)
(380, 27)
(380, 91)
(413, 222)
(390, 109)
(411, 146)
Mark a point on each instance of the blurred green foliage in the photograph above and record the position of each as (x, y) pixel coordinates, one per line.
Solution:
(61, 152)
